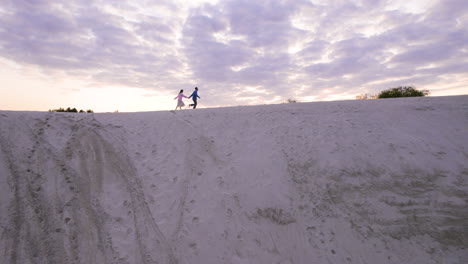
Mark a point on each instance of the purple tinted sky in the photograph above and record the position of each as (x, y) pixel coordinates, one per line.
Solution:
(244, 51)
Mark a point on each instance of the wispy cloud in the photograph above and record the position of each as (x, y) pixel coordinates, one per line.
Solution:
(281, 49)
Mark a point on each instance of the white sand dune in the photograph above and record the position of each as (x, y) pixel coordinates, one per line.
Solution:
(375, 181)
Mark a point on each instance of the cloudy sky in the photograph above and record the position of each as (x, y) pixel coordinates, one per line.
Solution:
(136, 55)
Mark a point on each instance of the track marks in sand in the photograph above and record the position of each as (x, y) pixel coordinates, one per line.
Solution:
(123, 182)
(78, 223)
(33, 231)
(192, 162)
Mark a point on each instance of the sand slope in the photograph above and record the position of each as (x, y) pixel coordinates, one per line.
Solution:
(376, 181)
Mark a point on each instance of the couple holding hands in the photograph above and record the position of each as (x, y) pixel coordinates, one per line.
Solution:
(181, 95)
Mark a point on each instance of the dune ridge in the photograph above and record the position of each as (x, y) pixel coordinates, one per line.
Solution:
(369, 181)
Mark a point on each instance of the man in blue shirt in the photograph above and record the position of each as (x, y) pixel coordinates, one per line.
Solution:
(195, 97)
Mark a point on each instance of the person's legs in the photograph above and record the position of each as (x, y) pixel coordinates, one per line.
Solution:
(194, 103)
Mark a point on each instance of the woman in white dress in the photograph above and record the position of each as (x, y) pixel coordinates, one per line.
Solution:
(179, 97)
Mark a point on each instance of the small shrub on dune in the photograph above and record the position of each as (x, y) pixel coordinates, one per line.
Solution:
(70, 110)
(402, 91)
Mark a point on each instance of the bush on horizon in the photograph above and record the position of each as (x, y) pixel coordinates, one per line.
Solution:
(402, 91)
(71, 110)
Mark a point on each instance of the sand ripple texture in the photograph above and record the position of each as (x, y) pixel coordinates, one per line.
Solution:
(374, 181)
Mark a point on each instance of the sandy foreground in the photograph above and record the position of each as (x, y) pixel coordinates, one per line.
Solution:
(372, 181)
